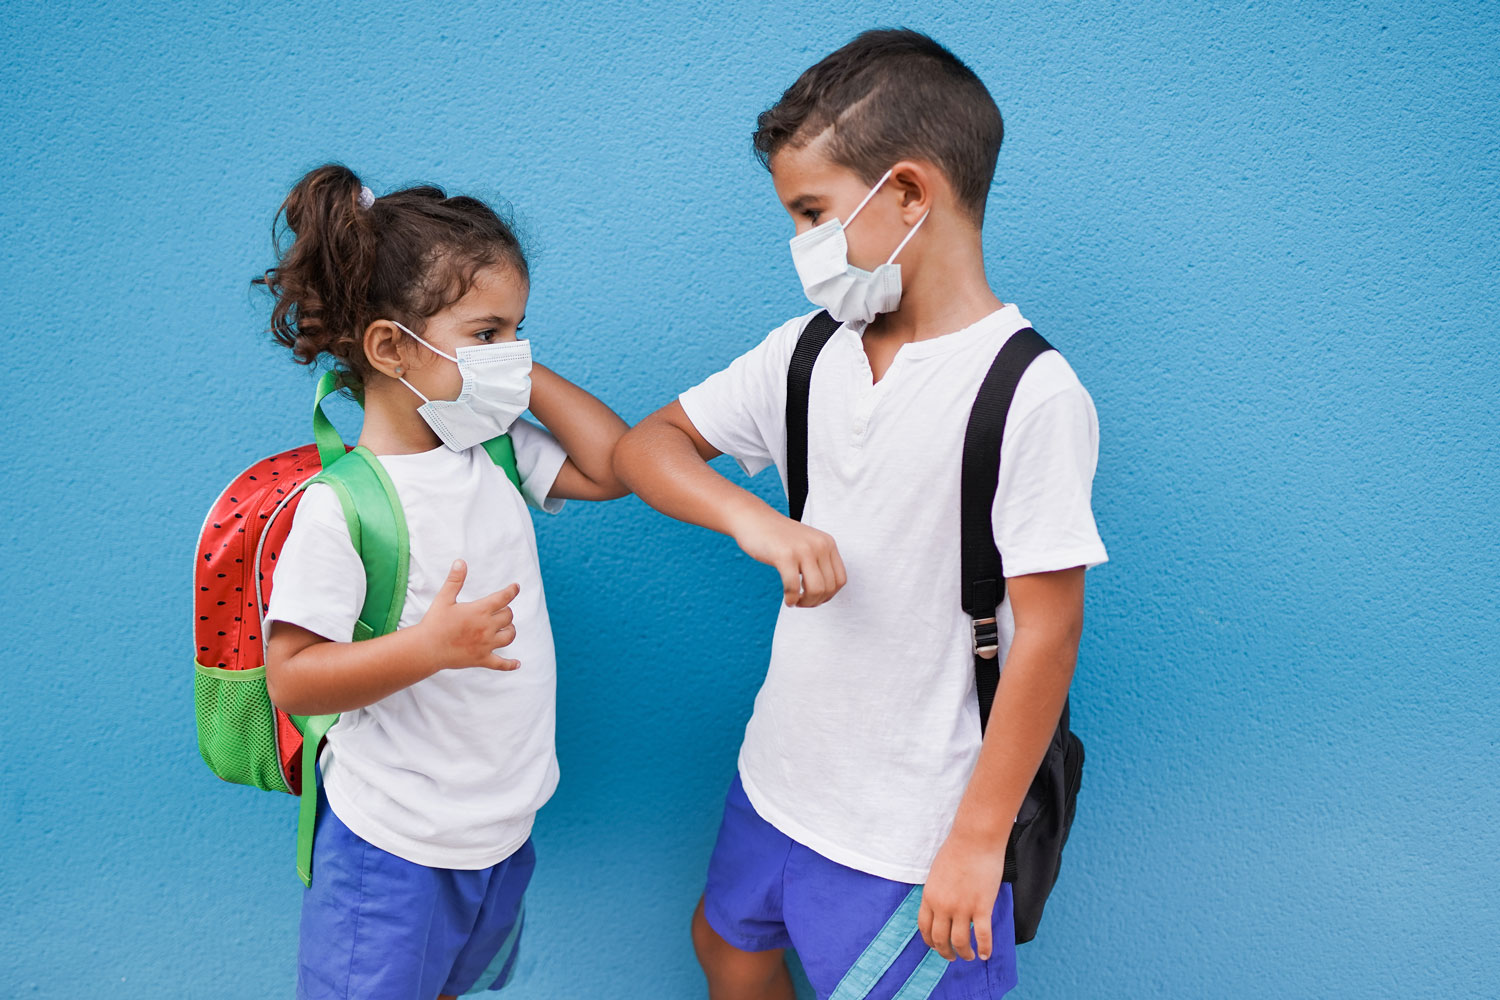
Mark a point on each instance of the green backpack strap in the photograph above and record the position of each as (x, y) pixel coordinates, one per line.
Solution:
(503, 452)
(377, 528)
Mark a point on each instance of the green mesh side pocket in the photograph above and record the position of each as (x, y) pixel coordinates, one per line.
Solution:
(237, 726)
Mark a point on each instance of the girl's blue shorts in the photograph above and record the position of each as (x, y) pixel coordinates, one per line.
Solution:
(766, 890)
(378, 927)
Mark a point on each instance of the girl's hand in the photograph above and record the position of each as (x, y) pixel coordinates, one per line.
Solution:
(807, 559)
(467, 634)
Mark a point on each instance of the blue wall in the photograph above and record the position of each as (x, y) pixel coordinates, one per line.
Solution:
(1266, 239)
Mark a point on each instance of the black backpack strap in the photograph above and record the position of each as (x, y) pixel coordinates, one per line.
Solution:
(983, 574)
(798, 385)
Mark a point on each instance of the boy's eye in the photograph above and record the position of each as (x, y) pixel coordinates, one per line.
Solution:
(812, 215)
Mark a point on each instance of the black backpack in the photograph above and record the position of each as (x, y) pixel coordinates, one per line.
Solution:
(1034, 853)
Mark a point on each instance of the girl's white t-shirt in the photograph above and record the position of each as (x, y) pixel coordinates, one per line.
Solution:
(866, 729)
(450, 771)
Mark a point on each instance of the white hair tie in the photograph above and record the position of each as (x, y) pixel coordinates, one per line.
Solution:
(366, 197)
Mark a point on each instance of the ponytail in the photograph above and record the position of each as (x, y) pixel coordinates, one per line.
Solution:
(354, 259)
(321, 283)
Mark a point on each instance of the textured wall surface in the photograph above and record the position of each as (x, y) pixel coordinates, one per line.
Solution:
(1266, 238)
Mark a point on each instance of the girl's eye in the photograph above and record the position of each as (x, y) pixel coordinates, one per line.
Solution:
(485, 336)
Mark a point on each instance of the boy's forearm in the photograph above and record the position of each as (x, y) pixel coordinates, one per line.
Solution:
(329, 677)
(1028, 703)
(661, 465)
(1048, 610)
(587, 429)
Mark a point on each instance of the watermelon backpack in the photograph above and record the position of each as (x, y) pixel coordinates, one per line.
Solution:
(241, 735)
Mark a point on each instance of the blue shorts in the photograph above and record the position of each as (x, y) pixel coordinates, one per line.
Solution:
(378, 927)
(765, 890)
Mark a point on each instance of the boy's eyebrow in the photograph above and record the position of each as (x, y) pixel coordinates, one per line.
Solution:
(802, 201)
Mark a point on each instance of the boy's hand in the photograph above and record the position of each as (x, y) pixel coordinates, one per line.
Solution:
(467, 635)
(961, 890)
(807, 559)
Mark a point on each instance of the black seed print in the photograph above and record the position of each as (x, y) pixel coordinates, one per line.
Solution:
(202, 649)
(202, 588)
(223, 633)
(203, 618)
(221, 576)
(221, 604)
(207, 556)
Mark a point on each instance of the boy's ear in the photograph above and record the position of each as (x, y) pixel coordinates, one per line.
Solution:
(916, 182)
(387, 349)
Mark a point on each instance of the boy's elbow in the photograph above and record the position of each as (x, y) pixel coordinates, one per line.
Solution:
(628, 456)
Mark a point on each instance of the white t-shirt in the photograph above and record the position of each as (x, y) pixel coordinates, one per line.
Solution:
(866, 729)
(450, 771)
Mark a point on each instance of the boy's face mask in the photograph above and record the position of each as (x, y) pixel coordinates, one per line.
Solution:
(850, 294)
(496, 390)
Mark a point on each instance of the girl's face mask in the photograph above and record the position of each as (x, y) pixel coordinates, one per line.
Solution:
(496, 390)
(850, 294)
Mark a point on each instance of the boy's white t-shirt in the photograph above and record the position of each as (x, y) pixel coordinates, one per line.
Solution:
(866, 729)
(450, 771)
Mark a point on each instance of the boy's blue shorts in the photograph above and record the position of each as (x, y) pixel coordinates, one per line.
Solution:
(378, 927)
(766, 890)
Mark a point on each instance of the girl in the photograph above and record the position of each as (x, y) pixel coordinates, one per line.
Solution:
(444, 751)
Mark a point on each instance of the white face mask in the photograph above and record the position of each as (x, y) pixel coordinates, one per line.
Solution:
(851, 295)
(496, 390)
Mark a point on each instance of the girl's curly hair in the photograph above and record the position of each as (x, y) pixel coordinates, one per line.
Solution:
(403, 256)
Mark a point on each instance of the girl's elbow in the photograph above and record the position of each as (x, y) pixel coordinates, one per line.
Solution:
(609, 487)
(283, 690)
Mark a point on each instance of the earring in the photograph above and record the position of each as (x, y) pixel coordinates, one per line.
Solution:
(399, 370)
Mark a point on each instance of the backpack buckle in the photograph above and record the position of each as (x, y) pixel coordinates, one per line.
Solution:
(986, 638)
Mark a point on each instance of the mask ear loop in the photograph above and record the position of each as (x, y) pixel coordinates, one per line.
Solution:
(414, 389)
(907, 238)
(425, 344)
(878, 185)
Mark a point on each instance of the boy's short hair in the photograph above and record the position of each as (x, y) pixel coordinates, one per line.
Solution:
(892, 94)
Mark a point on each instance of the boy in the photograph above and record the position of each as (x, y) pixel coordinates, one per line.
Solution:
(863, 772)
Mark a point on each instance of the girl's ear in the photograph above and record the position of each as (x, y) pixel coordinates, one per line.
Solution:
(387, 349)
